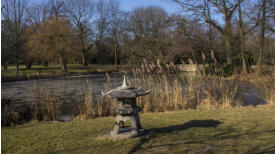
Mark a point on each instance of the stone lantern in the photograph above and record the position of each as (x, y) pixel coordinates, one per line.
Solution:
(126, 110)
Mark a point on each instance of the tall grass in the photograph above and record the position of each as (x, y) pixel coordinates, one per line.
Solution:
(46, 105)
(264, 82)
(12, 113)
(172, 91)
(91, 106)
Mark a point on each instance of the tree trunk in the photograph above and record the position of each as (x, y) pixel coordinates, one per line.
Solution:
(65, 68)
(64, 63)
(29, 65)
(5, 65)
(227, 40)
(244, 67)
(262, 37)
(210, 28)
(17, 67)
(84, 58)
(46, 63)
(83, 49)
(115, 55)
(228, 48)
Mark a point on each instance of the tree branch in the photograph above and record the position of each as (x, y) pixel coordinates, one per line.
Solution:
(217, 6)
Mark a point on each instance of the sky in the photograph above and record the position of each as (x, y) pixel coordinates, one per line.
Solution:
(128, 5)
(169, 6)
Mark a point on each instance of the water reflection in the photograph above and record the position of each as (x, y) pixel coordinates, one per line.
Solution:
(65, 89)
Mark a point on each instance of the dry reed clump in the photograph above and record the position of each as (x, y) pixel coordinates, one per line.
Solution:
(264, 82)
(91, 106)
(170, 91)
(217, 93)
(164, 83)
(46, 106)
(267, 91)
(8, 115)
(14, 113)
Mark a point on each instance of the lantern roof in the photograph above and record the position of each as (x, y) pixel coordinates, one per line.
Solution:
(125, 91)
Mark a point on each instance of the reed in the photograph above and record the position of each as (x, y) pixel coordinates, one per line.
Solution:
(46, 105)
(87, 109)
(172, 91)
(9, 115)
(264, 82)
(91, 107)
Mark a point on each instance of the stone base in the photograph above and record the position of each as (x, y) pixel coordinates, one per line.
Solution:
(125, 133)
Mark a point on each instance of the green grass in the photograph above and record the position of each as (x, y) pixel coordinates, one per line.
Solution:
(235, 130)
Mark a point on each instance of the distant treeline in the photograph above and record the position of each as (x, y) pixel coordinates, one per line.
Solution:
(232, 32)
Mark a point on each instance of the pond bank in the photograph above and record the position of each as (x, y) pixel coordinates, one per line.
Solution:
(56, 76)
(54, 71)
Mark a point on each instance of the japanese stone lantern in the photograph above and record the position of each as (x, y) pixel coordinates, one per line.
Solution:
(126, 110)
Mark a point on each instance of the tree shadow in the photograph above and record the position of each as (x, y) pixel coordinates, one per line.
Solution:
(152, 133)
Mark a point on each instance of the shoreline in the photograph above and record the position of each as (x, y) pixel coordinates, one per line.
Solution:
(37, 77)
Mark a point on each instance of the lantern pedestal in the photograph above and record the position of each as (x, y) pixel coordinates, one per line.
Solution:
(126, 110)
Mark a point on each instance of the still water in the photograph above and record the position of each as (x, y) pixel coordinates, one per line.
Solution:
(66, 89)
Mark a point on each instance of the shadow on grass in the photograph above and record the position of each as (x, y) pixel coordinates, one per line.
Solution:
(152, 133)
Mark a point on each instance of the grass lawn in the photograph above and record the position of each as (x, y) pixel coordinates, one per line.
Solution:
(235, 130)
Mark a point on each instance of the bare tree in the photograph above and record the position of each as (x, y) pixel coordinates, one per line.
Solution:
(115, 21)
(224, 7)
(187, 35)
(55, 8)
(262, 36)
(266, 20)
(81, 12)
(149, 28)
(37, 13)
(209, 25)
(103, 11)
(13, 14)
(6, 54)
(244, 67)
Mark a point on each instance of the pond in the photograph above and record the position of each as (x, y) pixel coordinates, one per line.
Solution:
(65, 88)
(68, 89)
